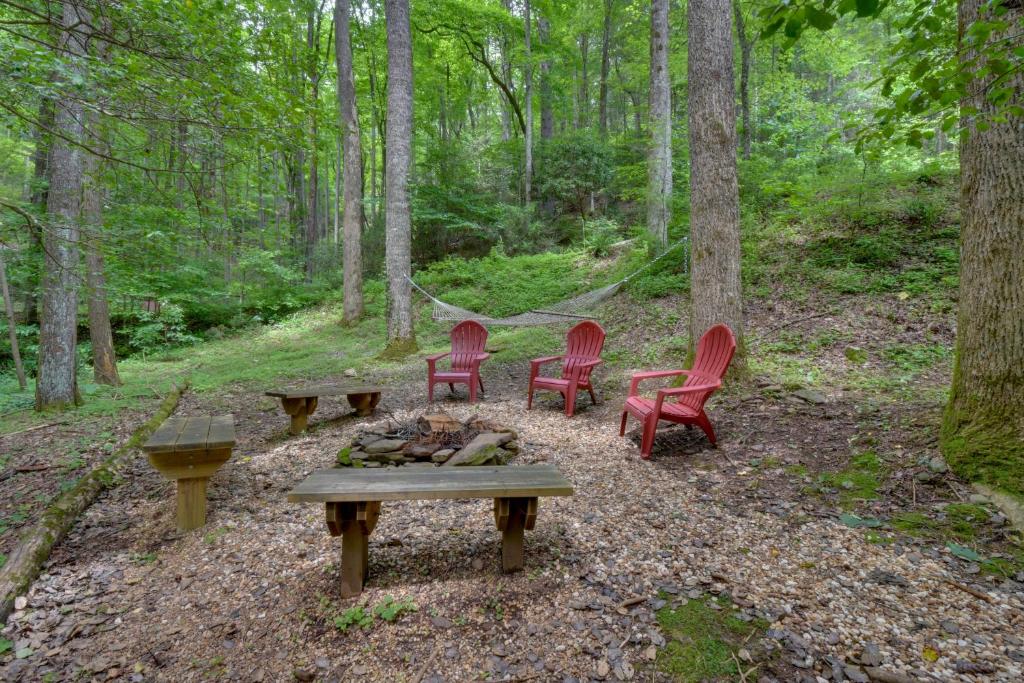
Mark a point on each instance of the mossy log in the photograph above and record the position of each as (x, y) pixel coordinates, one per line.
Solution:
(36, 543)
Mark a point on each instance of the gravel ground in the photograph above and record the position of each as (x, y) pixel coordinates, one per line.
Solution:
(252, 596)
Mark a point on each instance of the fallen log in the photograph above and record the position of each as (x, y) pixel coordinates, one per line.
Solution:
(26, 561)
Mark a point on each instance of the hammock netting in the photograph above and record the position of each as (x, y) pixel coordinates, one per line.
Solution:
(563, 311)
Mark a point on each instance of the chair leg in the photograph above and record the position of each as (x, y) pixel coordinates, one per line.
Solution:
(529, 396)
(647, 442)
(593, 399)
(481, 380)
(570, 401)
(704, 423)
(472, 390)
(622, 425)
(430, 391)
(451, 387)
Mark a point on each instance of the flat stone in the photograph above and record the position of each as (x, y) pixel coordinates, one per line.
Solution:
(481, 449)
(424, 450)
(385, 446)
(443, 455)
(810, 396)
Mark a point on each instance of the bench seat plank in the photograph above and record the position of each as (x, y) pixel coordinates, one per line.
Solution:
(354, 485)
(325, 390)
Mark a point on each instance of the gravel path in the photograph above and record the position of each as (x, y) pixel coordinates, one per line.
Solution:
(252, 596)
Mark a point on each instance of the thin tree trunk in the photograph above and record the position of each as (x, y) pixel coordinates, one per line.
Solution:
(352, 259)
(659, 158)
(312, 209)
(56, 382)
(584, 85)
(714, 189)
(12, 331)
(983, 427)
(606, 37)
(104, 360)
(547, 116)
(398, 219)
(746, 55)
(528, 94)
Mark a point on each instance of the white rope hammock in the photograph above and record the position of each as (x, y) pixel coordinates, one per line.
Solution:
(563, 311)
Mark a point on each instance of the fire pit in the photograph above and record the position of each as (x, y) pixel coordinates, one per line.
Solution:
(431, 441)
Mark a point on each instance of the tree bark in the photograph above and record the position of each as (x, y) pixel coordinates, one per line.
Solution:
(584, 90)
(528, 105)
(606, 37)
(714, 190)
(313, 74)
(104, 360)
(56, 381)
(659, 158)
(398, 218)
(12, 331)
(352, 259)
(983, 428)
(547, 116)
(746, 55)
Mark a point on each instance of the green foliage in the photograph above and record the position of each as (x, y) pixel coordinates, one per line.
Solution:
(390, 609)
(859, 481)
(571, 167)
(354, 616)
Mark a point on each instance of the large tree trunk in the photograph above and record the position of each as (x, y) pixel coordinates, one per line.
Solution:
(547, 115)
(983, 428)
(659, 158)
(714, 190)
(312, 207)
(746, 55)
(352, 168)
(398, 219)
(104, 361)
(606, 38)
(56, 382)
(12, 332)
(528, 104)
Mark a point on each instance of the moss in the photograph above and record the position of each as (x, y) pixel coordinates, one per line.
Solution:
(702, 639)
(859, 481)
(986, 450)
(398, 348)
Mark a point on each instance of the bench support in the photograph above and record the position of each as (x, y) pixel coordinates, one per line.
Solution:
(299, 409)
(512, 516)
(363, 403)
(191, 470)
(354, 522)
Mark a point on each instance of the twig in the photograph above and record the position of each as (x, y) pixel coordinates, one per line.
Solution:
(31, 468)
(967, 589)
(798, 320)
(629, 602)
(423, 670)
(913, 491)
(955, 492)
(29, 429)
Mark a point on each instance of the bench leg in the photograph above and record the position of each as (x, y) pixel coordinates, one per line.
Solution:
(354, 522)
(512, 516)
(299, 409)
(191, 503)
(363, 403)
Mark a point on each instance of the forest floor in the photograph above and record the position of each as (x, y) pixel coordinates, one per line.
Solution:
(824, 539)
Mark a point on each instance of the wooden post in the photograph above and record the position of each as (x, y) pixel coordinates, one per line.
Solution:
(191, 503)
(364, 404)
(354, 522)
(9, 307)
(512, 516)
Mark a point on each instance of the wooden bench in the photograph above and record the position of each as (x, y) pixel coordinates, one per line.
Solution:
(189, 450)
(353, 498)
(301, 403)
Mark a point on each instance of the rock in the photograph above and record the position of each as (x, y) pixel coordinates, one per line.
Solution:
(323, 663)
(938, 465)
(979, 499)
(357, 455)
(442, 455)
(350, 372)
(372, 463)
(481, 449)
(810, 396)
(855, 354)
(871, 656)
(304, 675)
(385, 446)
(603, 669)
(441, 622)
(424, 450)
(477, 564)
(950, 627)
(366, 440)
(512, 446)
(856, 674)
(20, 602)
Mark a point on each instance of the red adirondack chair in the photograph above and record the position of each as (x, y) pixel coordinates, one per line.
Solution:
(468, 340)
(714, 352)
(582, 353)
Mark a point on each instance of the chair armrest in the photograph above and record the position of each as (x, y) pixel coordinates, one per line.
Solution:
(679, 391)
(479, 358)
(641, 376)
(431, 360)
(578, 370)
(537, 362)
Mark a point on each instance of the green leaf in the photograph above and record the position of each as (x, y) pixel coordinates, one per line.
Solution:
(866, 8)
(5, 645)
(920, 69)
(23, 653)
(821, 20)
(854, 522)
(773, 28)
(794, 27)
(963, 552)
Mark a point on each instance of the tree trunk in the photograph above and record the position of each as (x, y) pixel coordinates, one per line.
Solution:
(547, 116)
(398, 219)
(312, 208)
(584, 91)
(12, 332)
(104, 361)
(352, 259)
(714, 190)
(606, 37)
(528, 104)
(56, 382)
(659, 158)
(746, 54)
(983, 427)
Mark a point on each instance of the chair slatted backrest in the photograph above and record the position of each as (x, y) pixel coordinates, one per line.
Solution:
(583, 344)
(468, 339)
(714, 353)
